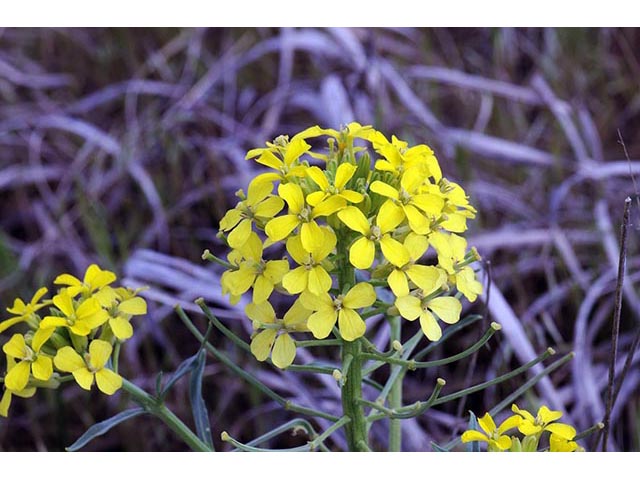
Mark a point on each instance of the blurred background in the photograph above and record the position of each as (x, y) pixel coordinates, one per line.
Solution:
(125, 146)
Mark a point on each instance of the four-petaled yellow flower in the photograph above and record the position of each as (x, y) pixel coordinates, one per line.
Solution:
(493, 436)
(5, 401)
(426, 277)
(363, 250)
(273, 333)
(311, 274)
(94, 280)
(545, 420)
(344, 173)
(423, 306)
(29, 361)
(79, 319)
(90, 366)
(419, 208)
(259, 205)
(303, 216)
(328, 310)
(121, 311)
(254, 272)
(23, 311)
(398, 158)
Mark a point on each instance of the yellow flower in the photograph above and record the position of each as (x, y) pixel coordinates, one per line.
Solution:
(94, 280)
(493, 436)
(310, 274)
(558, 443)
(362, 251)
(451, 249)
(283, 156)
(398, 158)
(419, 208)
(302, 215)
(80, 319)
(428, 278)
(254, 272)
(126, 305)
(423, 306)
(23, 311)
(457, 209)
(328, 310)
(274, 332)
(91, 367)
(545, 420)
(259, 206)
(344, 173)
(31, 361)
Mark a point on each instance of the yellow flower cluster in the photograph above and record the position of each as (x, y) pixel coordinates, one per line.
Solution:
(86, 318)
(561, 438)
(376, 217)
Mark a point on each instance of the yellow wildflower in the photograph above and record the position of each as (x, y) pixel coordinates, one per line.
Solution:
(493, 436)
(422, 305)
(259, 206)
(545, 420)
(344, 173)
(5, 402)
(80, 319)
(328, 310)
(457, 209)
(122, 309)
(94, 280)
(274, 332)
(428, 278)
(398, 158)
(303, 216)
(254, 272)
(419, 208)
(30, 361)
(24, 311)
(362, 251)
(311, 274)
(283, 156)
(92, 366)
(558, 443)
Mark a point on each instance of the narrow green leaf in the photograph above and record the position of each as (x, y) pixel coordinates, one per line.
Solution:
(198, 407)
(185, 367)
(473, 425)
(438, 448)
(103, 427)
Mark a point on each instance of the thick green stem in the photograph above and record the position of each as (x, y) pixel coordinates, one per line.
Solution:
(356, 429)
(158, 409)
(395, 396)
(351, 396)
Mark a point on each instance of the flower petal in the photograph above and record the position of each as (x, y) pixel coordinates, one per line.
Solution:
(397, 280)
(108, 381)
(230, 219)
(280, 227)
(261, 344)
(512, 422)
(351, 324)
(427, 277)
(292, 194)
(474, 436)
(312, 236)
(296, 280)
(353, 218)
(562, 430)
(284, 351)
(64, 303)
(362, 253)
(409, 307)
(430, 326)
(319, 281)
(446, 308)
(389, 216)
(321, 322)
(316, 302)
(260, 312)
(16, 347)
(121, 328)
(68, 360)
(487, 424)
(99, 352)
(42, 368)
(394, 251)
(547, 416)
(361, 295)
(18, 376)
(318, 177)
(133, 306)
(269, 207)
(384, 189)
(40, 337)
(239, 235)
(262, 289)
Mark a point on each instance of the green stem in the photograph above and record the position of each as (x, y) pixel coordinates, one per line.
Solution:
(395, 395)
(158, 409)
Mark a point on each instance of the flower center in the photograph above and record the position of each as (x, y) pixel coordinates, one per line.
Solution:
(337, 302)
(404, 197)
(375, 234)
(305, 214)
